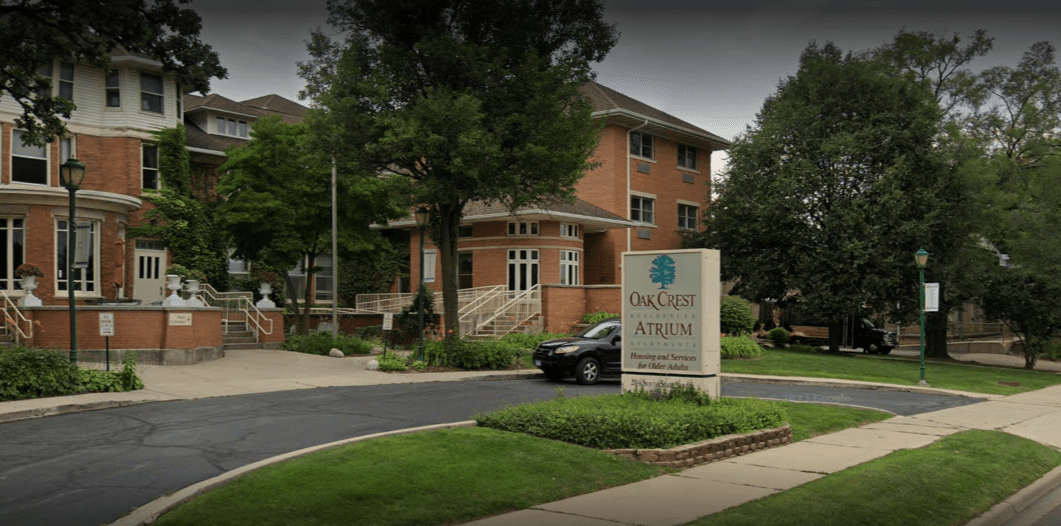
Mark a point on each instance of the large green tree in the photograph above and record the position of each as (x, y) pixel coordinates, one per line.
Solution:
(827, 197)
(276, 192)
(469, 99)
(36, 32)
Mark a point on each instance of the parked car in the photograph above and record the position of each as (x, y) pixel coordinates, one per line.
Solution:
(862, 335)
(588, 355)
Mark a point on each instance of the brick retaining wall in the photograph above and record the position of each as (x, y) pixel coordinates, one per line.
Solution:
(709, 450)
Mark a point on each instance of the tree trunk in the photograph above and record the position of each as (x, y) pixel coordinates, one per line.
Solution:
(836, 334)
(449, 223)
(289, 296)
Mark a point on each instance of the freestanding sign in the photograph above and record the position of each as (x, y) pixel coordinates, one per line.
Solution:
(671, 319)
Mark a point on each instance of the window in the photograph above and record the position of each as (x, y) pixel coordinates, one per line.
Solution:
(568, 230)
(687, 156)
(66, 80)
(12, 251)
(568, 267)
(29, 164)
(322, 279)
(149, 167)
(522, 229)
(464, 270)
(231, 127)
(522, 269)
(114, 89)
(46, 72)
(641, 144)
(641, 209)
(66, 149)
(686, 217)
(151, 92)
(84, 278)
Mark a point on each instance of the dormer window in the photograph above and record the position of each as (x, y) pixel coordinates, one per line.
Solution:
(231, 127)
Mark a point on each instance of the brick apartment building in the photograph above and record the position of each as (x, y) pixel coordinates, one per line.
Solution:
(651, 186)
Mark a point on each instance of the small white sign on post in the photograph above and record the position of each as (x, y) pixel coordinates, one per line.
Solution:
(931, 297)
(106, 324)
(388, 321)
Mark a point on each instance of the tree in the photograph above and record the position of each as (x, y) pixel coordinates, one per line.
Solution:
(36, 32)
(183, 220)
(826, 199)
(277, 204)
(469, 99)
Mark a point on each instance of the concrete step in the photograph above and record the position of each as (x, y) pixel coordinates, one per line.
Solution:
(238, 339)
(239, 334)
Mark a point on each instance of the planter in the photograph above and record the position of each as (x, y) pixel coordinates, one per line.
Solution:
(265, 303)
(192, 287)
(29, 284)
(173, 283)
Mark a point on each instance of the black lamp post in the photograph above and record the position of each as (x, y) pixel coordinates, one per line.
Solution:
(71, 174)
(422, 216)
(921, 257)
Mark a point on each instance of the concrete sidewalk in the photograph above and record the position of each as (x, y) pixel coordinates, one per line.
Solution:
(667, 500)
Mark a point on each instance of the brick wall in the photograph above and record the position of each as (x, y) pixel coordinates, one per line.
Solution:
(562, 307)
(141, 328)
(607, 299)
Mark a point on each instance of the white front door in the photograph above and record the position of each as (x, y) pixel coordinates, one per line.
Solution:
(149, 279)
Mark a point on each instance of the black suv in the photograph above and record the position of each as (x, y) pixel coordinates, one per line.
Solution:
(587, 355)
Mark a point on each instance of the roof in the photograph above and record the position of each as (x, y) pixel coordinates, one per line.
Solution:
(277, 105)
(628, 112)
(289, 112)
(197, 138)
(592, 217)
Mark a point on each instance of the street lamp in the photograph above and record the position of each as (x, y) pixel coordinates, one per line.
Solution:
(71, 174)
(422, 216)
(921, 257)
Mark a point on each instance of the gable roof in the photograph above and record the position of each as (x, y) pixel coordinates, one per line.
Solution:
(277, 105)
(215, 102)
(631, 113)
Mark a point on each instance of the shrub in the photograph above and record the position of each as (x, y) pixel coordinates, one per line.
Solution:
(370, 332)
(800, 347)
(779, 336)
(36, 373)
(392, 362)
(407, 322)
(594, 317)
(740, 347)
(472, 354)
(321, 343)
(736, 316)
(530, 342)
(634, 420)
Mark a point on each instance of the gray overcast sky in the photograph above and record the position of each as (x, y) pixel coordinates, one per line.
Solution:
(709, 64)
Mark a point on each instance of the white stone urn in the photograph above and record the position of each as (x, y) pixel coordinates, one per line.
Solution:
(265, 303)
(173, 283)
(192, 287)
(29, 284)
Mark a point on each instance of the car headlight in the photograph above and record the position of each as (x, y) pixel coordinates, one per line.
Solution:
(566, 349)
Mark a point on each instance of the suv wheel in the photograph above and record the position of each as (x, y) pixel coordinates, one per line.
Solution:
(587, 371)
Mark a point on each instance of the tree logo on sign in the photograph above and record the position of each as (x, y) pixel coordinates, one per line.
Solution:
(662, 271)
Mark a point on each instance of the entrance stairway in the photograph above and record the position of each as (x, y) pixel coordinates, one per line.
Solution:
(238, 336)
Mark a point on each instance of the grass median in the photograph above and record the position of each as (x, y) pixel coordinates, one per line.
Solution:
(441, 477)
(949, 482)
(976, 379)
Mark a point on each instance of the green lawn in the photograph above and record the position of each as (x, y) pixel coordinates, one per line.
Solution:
(975, 379)
(441, 477)
(949, 482)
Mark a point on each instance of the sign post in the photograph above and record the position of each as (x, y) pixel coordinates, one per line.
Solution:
(106, 329)
(388, 325)
(671, 319)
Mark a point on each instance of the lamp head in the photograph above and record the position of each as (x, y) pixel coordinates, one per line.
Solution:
(422, 215)
(72, 173)
(921, 257)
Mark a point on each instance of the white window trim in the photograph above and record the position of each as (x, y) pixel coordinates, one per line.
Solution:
(533, 229)
(162, 94)
(696, 218)
(694, 169)
(106, 89)
(566, 267)
(564, 227)
(5, 224)
(643, 197)
(638, 155)
(158, 174)
(47, 161)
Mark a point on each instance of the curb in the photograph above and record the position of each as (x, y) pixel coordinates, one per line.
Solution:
(873, 386)
(1019, 501)
(149, 512)
(39, 412)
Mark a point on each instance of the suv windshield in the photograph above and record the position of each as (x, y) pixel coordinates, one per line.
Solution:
(600, 330)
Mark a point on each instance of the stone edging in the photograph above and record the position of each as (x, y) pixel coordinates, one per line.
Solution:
(709, 450)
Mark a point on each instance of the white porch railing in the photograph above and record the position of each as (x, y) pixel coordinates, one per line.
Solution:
(237, 309)
(519, 308)
(14, 321)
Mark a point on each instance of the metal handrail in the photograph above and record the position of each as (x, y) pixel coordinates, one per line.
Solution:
(237, 307)
(530, 293)
(14, 322)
